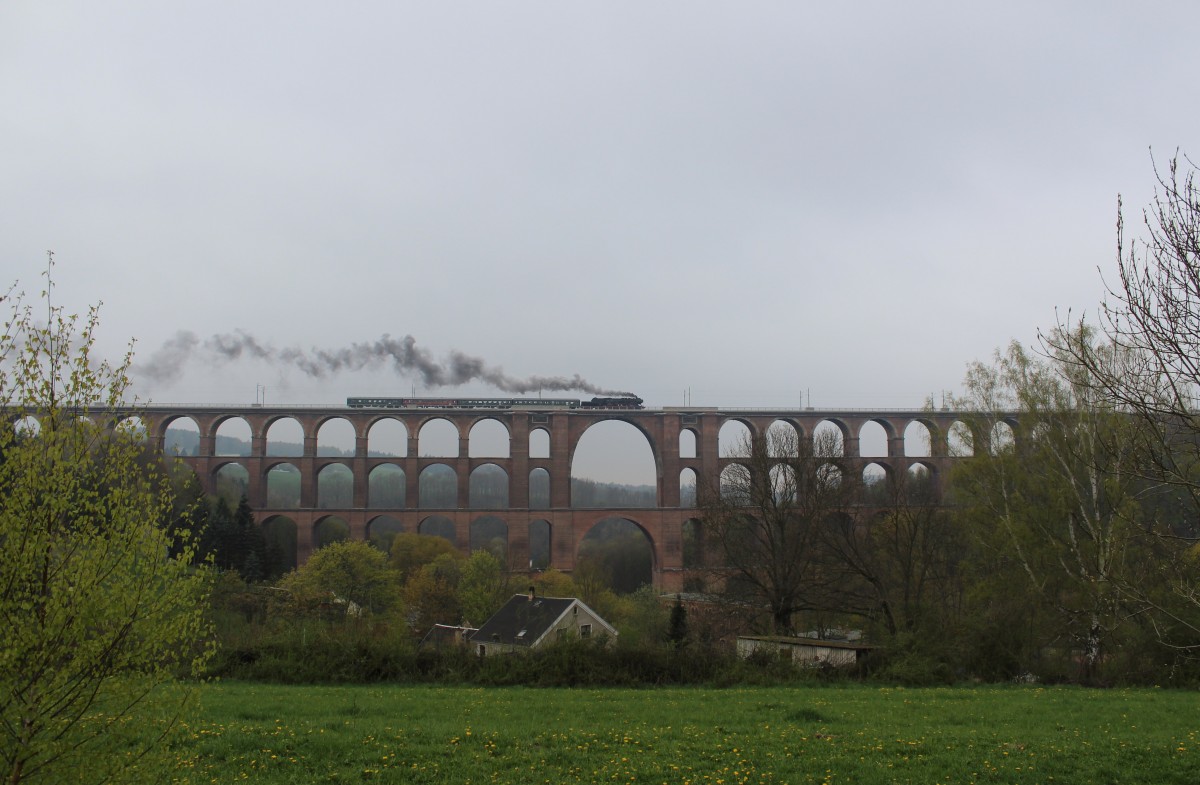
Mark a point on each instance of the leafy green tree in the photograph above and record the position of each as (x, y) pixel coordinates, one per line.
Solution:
(410, 552)
(554, 583)
(482, 588)
(100, 606)
(349, 571)
(431, 595)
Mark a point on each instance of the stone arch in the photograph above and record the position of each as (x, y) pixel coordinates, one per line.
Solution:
(490, 533)
(438, 438)
(180, 436)
(687, 443)
(783, 439)
(873, 437)
(733, 438)
(621, 548)
(283, 486)
(876, 472)
(735, 480)
(439, 526)
(335, 487)
(1001, 438)
(831, 474)
(232, 437)
(922, 481)
(487, 488)
(489, 438)
(830, 437)
(877, 482)
(386, 487)
(539, 489)
(603, 443)
(284, 437)
(437, 487)
(382, 529)
(687, 488)
(784, 483)
(329, 529)
(539, 443)
(231, 481)
(281, 534)
(918, 439)
(960, 440)
(336, 438)
(387, 437)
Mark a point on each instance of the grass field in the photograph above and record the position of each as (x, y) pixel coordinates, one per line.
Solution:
(837, 734)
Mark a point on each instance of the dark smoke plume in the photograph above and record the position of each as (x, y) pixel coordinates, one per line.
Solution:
(402, 354)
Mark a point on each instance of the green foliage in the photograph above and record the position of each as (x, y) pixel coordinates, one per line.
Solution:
(99, 605)
(232, 541)
(349, 574)
(410, 552)
(432, 594)
(482, 588)
(1056, 506)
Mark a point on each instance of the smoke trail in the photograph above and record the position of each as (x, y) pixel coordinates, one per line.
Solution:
(402, 355)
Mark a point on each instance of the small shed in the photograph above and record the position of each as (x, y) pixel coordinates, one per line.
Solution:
(808, 652)
(527, 621)
(443, 635)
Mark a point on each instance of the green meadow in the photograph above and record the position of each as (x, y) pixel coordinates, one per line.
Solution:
(819, 734)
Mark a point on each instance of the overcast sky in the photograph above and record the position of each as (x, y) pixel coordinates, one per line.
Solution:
(748, 200)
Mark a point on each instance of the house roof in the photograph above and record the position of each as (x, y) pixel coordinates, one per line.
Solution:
(523, 620)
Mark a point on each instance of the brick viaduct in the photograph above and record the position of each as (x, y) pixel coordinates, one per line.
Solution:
(663, 429)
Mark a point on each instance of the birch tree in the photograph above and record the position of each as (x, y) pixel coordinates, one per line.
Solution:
(1061, 497)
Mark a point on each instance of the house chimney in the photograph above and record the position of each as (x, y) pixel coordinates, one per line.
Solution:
(532, 592)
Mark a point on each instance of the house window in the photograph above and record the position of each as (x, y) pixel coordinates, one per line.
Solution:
(585, 630)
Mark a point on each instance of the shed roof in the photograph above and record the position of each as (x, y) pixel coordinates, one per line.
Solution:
(818, 642)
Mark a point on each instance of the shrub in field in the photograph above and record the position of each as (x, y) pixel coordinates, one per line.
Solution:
(100, 607)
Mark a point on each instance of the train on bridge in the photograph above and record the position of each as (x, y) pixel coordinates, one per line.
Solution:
(599, 402)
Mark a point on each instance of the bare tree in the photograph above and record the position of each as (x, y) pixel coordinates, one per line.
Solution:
(1151, 372)
(901, 567)
(763, 521)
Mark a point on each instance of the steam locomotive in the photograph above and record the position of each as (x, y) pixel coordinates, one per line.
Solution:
(606, 402)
